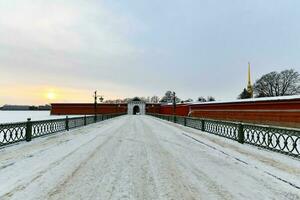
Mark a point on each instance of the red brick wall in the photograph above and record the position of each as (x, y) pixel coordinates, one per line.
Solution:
(275, 112)
(257, 105)
(181, 110)
(152, 108)
(86, 109)
(279, 112)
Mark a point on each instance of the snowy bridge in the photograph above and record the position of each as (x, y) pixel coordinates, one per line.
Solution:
(142, 157)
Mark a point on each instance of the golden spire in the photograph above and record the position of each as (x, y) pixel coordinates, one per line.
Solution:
(249, 86)
(249, 74)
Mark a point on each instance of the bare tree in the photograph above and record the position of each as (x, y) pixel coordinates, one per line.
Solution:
(290, 83)
(154, 99)
(211, 98)
(168, 98)
(272, 84)
(201, 99)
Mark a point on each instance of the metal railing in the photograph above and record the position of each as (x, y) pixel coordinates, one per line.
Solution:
(283, 140)
(26, 131)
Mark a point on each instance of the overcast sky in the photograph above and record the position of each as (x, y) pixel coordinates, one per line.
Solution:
(141, 48)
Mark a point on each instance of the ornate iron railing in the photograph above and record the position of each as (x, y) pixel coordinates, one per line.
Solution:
(76, 122)
(283, 140)
(40, 128)
(9, 133)
(16, 132)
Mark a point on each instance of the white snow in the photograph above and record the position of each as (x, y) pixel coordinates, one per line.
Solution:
(21, 116)
(140, 157)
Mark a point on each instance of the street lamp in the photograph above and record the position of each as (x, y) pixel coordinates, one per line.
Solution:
(95, 103)
(101, 99)
(174, 103)
(174, 106)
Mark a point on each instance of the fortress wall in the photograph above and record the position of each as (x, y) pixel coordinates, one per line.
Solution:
(271, 111)
(86, 108)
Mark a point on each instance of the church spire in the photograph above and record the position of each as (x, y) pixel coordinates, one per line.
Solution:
(249, 74)
(249, 86)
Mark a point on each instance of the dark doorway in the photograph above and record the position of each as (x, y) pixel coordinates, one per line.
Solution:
(136, 110)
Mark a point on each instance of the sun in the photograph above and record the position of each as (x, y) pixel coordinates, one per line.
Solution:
(51, 95)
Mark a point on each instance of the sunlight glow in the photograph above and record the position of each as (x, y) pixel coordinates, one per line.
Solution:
(51, 95)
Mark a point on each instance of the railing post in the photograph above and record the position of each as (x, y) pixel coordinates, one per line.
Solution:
(175, 119)
(241, 136)
(67, 123)
(85, 120)
(184, 122)
(202, 125)
(28, 134)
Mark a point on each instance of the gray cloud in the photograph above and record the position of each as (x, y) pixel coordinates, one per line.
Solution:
(141, 48)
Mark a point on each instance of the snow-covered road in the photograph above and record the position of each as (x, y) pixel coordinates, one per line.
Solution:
(140, 157)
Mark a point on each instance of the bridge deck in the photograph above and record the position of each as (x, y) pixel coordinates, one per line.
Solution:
(139, 157)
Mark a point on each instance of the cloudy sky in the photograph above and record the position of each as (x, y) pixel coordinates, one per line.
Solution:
(60, 51)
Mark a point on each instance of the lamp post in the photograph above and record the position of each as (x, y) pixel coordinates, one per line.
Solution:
(95, 103)
(174, 106)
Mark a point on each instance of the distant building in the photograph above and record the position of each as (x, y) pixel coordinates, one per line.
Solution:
(26, 107)
(16, 107)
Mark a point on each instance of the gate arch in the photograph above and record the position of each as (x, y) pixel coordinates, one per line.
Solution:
(136, 106)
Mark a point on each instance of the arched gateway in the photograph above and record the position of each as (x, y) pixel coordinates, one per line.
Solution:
(136, 107)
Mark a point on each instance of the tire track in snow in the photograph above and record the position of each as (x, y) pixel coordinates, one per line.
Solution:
(45, 142)
(89, 177)
(148, 163)
(186, 166)
(218, 140)
(238, 159)
(52, 165)
(82, 164)
(175, 129)
(169, 178)
(244, 162)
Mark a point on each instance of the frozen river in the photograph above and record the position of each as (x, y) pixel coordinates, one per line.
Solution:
(20, 116)
(140, 157)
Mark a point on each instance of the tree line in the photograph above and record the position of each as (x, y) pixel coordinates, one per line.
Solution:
(284, 83)
(166, 98)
